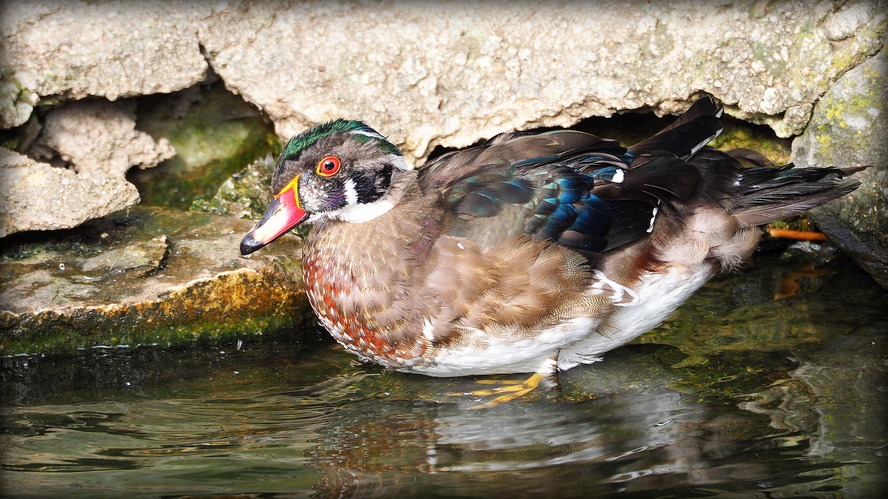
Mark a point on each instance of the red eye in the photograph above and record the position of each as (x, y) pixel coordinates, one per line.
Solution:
(328, 166)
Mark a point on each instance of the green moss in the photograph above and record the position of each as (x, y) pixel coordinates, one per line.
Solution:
(245, 194)
(215, 134)
(49, 334)
(14, 100)
(761, 138)
(178, 317)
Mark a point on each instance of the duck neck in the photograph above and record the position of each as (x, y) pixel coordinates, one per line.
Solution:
(372, 244)
(355, 270)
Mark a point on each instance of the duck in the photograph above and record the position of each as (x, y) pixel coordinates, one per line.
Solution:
(532, 252)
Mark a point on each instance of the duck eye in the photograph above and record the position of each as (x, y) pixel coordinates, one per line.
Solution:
(328, 166)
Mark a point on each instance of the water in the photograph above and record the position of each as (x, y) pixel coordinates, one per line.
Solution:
(738, 395)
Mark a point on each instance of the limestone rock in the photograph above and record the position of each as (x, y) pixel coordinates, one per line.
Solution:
(449, 73)
(150, 276)
(108, 49)
(96, 135)
(848, 129)
(37, 196)
(141, 258)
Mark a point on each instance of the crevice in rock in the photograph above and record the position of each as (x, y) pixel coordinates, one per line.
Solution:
(215, 133)
(634, 126)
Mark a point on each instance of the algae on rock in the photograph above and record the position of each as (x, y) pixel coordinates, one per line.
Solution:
(848, 128)
(245, 194)
(215, 134)
(148, 277)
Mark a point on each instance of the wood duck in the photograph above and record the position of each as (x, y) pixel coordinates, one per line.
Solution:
(530, 253)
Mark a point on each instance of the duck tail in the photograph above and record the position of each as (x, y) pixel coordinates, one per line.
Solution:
(762, 194)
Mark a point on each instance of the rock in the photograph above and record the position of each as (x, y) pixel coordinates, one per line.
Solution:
(448, 74)
(148, 277)
(37, 196)
(99, 141)
(113, 50)
(245, 194)
(848, 128)
(140, 258)
(442, 74)
(95, 135)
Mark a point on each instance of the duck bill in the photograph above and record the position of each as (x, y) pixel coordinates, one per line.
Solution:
(282, 215)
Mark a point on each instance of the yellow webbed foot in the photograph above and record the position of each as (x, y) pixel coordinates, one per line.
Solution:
(505, 389)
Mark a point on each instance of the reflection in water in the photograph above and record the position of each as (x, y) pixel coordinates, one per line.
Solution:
(625, 425)
(620, 442)
(647, 437)
(797, 408)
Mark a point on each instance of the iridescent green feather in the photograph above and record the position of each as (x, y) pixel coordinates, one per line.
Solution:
(306, 139)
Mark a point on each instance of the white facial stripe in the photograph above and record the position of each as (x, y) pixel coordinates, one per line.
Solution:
(368, 133)
(351, 193)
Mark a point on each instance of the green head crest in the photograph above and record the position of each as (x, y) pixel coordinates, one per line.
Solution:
(359, 131)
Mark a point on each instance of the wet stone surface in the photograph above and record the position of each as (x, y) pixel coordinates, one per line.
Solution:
(143, 277)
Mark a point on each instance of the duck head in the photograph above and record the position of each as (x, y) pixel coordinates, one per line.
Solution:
(342, 169)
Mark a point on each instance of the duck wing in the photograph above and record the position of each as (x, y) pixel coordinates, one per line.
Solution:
(573, 188)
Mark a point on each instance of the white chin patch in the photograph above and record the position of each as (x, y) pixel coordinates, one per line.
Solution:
(358, 213)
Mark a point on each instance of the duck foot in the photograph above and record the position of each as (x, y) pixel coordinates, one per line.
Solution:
(800, 235)
(505, 389)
